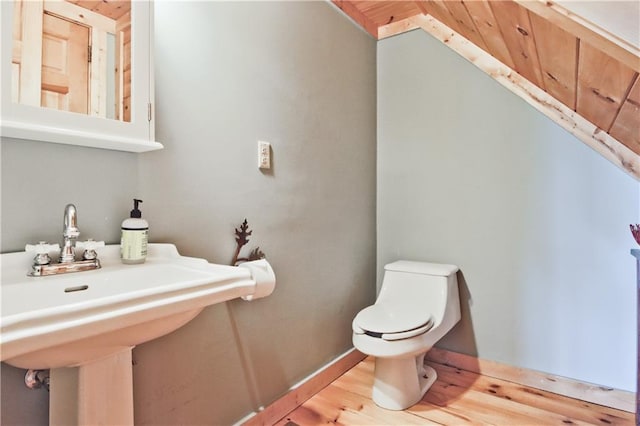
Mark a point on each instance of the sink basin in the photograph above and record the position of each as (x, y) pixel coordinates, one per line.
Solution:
(83, 318)
(70, 319)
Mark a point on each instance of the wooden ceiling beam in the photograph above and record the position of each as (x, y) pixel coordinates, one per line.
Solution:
(360, 18)
(398, 27)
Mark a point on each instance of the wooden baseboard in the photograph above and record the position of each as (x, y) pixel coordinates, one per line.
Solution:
(304, 390)
(609, 397)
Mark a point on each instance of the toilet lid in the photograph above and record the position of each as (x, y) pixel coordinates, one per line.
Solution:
(385, 319)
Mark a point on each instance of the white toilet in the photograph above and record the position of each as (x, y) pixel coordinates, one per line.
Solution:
(417, 305)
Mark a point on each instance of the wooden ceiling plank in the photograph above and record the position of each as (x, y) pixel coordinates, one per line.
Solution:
(604, 144)
(460, 14)
(626, 126)
(112, 9)
(386, 12)
(487, 25)
(515, 26)
(438, 10)
(407, 10)
(367, 7)
(634, 94)
(558, 55)
(120, 8)
(360, 18)
(422, 5)
(586, 31)
(603, 84)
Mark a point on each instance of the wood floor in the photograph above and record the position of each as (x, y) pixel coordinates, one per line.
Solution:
(457, 398)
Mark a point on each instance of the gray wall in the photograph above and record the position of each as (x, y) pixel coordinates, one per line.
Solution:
(470, 174)
(297, 74)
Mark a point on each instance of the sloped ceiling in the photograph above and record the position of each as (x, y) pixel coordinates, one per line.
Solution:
(592, 74)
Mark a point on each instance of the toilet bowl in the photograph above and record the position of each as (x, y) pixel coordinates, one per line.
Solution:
(417, 305)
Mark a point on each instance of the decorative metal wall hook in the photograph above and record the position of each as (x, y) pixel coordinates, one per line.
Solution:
(241, 240)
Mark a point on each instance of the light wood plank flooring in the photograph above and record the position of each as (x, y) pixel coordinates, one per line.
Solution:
(458, 397)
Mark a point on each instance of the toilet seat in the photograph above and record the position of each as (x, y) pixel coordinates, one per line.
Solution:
(391, 322)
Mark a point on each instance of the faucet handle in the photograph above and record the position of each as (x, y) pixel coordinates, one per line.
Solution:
(89, 248)
(42, 247)
(89, 244)
(42, 250)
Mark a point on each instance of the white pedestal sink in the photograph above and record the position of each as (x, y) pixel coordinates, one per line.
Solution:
(93, 319)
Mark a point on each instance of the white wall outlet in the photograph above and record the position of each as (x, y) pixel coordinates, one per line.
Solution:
(264, 155)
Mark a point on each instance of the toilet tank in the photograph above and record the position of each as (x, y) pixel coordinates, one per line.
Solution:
(430, 287)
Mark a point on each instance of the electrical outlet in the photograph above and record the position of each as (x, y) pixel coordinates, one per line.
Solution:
(264, 155)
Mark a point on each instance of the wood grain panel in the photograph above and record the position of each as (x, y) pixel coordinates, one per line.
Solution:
(574, 389)
(486, 23)
(438, 10)
(55, 82)
(558, 55)
(353, 409)
(16, 51)
(458, 397)
(465, 23)
(603, 84)
(123, 68)
(422, 5)
(553, 407)
(626, 127)
(399, 27)
(112, 9)
(65, 73)
(386, 12)
(79, 15)
(354, 13)
(586, 31)
(515, 26)
(17, 21)
(31, 54)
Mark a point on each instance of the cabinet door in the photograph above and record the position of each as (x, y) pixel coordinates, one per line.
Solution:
(133, 132)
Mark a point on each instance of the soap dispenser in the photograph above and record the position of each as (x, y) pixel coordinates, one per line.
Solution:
(135, 237)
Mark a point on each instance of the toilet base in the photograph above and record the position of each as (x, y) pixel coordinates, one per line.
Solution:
(401, 383)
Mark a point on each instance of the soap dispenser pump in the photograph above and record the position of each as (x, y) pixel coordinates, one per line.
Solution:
(135, 237)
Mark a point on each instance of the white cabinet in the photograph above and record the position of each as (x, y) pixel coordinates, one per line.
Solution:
(24, 116)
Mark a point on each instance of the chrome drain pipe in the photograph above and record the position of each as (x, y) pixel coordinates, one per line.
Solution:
(35, 379)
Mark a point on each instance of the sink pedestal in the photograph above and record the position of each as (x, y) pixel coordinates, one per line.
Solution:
(96, 393)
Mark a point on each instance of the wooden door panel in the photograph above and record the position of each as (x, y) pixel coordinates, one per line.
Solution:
(65, 53)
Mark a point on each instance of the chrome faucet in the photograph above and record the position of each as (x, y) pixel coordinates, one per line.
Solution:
(70, 233)
(67, 263)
